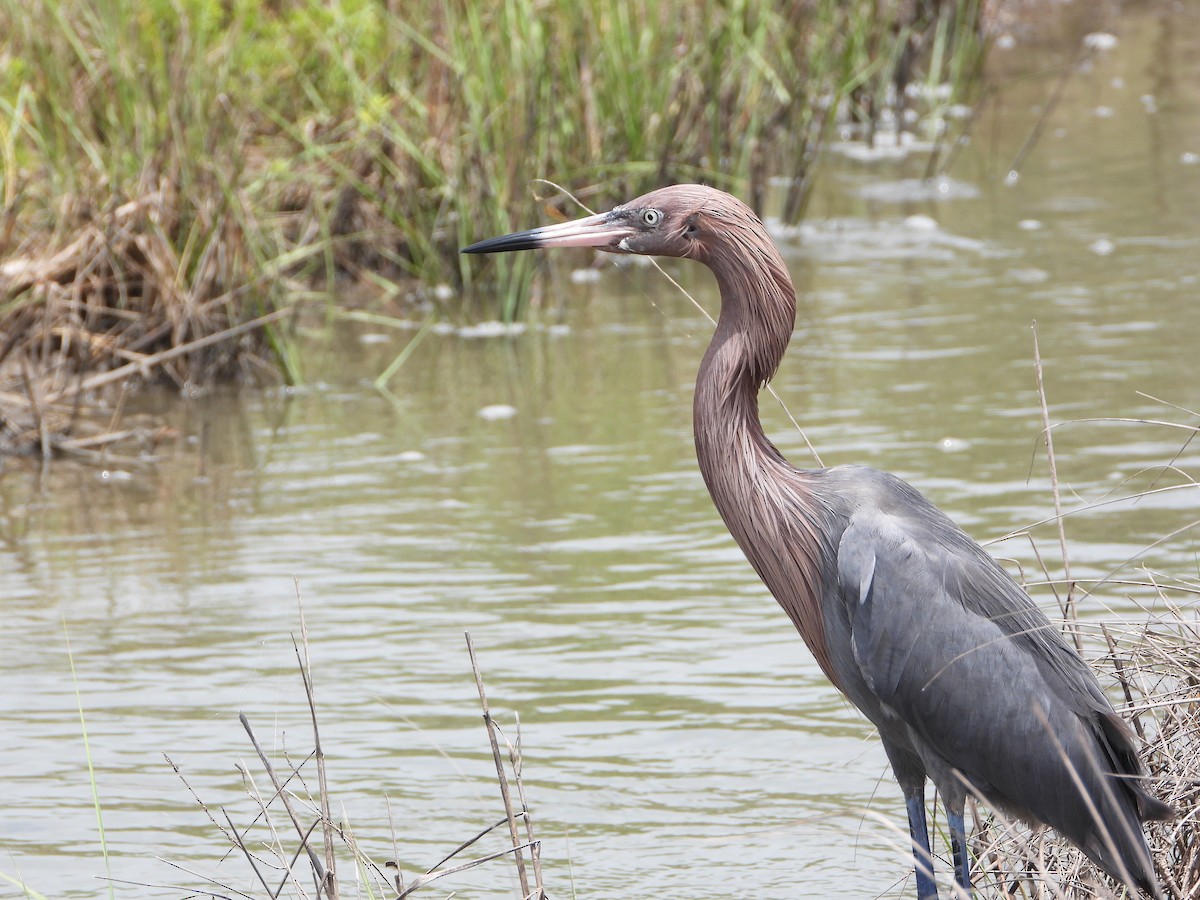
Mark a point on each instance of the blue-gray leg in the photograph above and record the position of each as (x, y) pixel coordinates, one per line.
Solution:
(922, 857)
(958, 844)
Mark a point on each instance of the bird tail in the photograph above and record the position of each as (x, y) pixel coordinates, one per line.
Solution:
(1116, 842)
(1118, 846)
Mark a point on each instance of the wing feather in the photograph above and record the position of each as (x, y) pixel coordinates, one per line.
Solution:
(971, 686)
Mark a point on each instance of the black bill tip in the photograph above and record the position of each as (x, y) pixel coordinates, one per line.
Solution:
(522, 240)
(604, 232)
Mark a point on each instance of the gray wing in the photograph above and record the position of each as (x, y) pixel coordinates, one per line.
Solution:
(951, 646)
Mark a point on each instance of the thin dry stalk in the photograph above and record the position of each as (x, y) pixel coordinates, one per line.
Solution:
(1070, 613)
(317, 865)
(429, 877)
(330, 878)
(469, 842)
(517, 762)
(1119, 669)
(241, 845)
(398, 878)
(388, 875)
(229, 890)
(35, 409)
(276, 842)
(501, 775)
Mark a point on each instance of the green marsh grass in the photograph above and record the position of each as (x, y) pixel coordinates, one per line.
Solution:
(173, 169)
(401, 130)
(87, 752)
(20, 885)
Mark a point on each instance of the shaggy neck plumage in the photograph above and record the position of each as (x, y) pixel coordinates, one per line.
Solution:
(761, 498)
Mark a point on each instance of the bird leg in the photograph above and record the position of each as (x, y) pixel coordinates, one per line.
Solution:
(922, 857)
(958, 845)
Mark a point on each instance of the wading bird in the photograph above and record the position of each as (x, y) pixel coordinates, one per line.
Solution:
(967, 681)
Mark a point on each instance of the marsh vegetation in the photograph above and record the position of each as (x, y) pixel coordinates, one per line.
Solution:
(179, 177)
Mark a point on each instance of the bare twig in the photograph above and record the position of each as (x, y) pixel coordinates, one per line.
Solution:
(156, 359)
(241, 845)
(501, 776)
(465, 844)
(421, 881)
(1070, 611)
(318, 866)
(330, 879)
(535, 852)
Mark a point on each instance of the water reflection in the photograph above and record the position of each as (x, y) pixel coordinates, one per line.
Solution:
(675, 729)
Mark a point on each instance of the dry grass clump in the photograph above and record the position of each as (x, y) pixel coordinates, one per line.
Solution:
(292, 844)
(120, 303)
(1162, 680)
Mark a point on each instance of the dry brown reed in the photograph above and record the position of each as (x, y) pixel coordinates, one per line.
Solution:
(118, 304)
(292, 842)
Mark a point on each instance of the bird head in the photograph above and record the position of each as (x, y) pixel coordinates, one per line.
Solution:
(701, 223)
(683, 220)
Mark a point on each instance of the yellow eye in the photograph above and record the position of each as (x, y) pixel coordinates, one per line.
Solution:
(651, 216)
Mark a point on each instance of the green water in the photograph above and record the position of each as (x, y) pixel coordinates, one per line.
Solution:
(678, 739)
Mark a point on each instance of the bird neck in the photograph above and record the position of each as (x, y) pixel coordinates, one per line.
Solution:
(758, 307)
(768, 506)
(758, 312)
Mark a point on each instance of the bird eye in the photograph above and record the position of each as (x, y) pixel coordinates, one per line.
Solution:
(651, 216)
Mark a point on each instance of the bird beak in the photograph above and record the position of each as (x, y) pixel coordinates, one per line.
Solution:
(605, 231)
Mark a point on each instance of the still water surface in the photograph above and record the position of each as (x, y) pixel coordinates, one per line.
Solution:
(678, 738)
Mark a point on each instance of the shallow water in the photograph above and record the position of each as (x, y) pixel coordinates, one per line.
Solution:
(677, 736)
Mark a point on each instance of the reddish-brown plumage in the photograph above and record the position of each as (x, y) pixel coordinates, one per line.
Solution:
(767, 505)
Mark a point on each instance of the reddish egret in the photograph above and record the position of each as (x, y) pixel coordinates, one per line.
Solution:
(967, 681)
